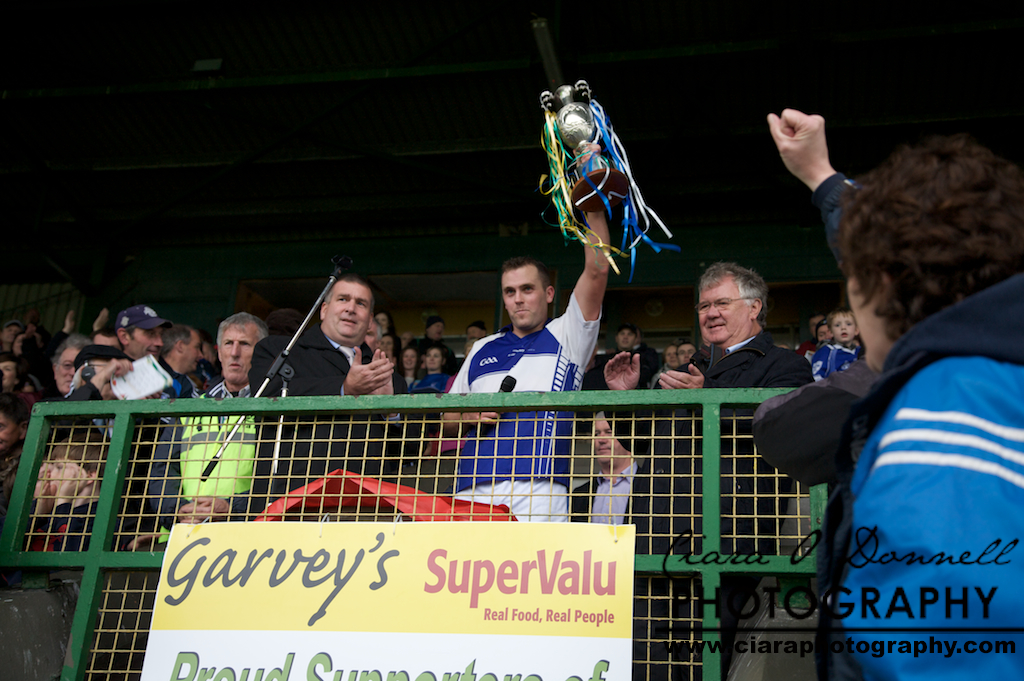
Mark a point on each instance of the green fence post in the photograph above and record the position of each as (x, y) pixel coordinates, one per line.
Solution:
(83, 625)
(711, 524)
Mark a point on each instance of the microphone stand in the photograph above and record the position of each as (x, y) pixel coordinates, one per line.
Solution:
(286, 375)
(341, 263)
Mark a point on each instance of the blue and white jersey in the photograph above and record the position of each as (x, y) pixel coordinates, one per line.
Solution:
(939, 492)
(526, 444)
(832, 358)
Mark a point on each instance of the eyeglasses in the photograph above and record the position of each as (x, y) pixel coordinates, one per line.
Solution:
(721, 304)
(67, 366)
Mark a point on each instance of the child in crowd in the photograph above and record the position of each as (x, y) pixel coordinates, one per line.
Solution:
(844, 348)
(66, 496)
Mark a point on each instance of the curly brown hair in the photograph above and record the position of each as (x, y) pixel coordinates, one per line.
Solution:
(941, 220)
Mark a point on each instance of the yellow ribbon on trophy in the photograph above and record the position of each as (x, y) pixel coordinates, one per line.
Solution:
(561, 198)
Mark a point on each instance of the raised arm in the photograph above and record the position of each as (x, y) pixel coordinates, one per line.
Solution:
(801, 142)
(592, 283)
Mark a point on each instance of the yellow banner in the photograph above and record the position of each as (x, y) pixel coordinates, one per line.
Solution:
(530, 579)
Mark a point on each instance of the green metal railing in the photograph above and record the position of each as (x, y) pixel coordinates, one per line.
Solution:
(99, 559)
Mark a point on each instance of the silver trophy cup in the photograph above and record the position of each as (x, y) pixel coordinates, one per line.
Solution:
(591, 174)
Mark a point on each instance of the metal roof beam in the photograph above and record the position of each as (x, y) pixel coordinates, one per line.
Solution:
(204, 184)
(360, 151)
(342, 151)
(433, 70)
(208, 84)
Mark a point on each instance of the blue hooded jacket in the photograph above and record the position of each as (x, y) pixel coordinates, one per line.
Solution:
(921, 532)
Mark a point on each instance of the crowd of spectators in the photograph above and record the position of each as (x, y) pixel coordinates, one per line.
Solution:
(921, 354)
(74, 367)
(71, 366)
(37, 366)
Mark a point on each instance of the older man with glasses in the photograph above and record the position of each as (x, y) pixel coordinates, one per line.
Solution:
(737, 352)
(64, 365)
(732, 310)
(741, 354)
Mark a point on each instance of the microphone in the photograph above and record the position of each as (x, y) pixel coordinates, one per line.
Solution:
(507, 385)
(342, 262)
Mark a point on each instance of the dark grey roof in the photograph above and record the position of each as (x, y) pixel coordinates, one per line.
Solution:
(422, 118)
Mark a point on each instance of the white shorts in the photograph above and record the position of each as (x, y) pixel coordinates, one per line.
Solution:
(531, 501)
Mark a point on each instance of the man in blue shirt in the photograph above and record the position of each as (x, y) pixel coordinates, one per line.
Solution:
(522, 460)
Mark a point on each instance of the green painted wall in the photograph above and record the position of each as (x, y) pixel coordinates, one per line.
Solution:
(199, 285)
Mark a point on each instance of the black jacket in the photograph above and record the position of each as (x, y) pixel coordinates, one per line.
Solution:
(320, 368)
(798, 432)
(748, 488)
(660, 505)
(308, 451)
(758, 364)
(656, 503)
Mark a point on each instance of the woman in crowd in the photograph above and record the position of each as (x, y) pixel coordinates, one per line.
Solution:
(411, 364)
(435, 380)
(16, 378)
(930, 466)
(386, 321)
(389, 345)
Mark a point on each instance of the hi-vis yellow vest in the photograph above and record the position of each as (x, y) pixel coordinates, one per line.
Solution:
(200, 440)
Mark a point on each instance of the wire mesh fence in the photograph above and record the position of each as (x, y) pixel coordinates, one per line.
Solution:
(101, 484)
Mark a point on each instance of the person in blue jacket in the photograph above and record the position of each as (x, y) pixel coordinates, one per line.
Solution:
(435, 380)
(919, 571)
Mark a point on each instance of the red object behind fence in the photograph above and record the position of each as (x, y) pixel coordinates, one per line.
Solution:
(344, 488)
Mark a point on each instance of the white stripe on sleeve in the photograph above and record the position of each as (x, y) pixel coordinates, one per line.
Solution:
(951, 460)
(946, 437)
(961, 419)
